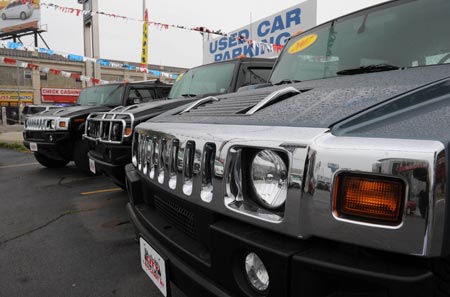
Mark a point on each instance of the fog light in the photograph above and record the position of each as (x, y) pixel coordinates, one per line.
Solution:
(257, 274)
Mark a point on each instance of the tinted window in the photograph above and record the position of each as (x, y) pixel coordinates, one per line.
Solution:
(143, 95)
(253, 75)
(208, 79)
(110, 95)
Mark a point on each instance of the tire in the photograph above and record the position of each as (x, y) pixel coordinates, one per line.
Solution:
(49, 162)
(23, 15)
(80, 157)
(441, 271)
(4, 16)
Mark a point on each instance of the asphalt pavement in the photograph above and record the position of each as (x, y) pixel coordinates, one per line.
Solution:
(65, 234)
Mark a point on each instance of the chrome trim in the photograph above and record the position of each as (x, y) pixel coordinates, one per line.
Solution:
(109, 118)
(199, 102)
(271, 97)
(58, 111)
(330, 155)
(315, 157)
(40, 123)
(191, 186)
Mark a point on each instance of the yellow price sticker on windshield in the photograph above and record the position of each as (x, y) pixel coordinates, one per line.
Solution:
(303, 43)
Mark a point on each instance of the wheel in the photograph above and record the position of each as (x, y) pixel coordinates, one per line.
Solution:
(80, 157)
(3, 16)
(48, 162)
(23, 15)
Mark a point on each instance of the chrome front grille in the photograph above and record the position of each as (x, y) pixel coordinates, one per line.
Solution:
(109, 127)
(40, 124)
(177, 164)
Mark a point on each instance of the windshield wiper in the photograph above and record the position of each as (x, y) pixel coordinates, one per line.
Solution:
(286, 81)
(188, 95)
(368, 69)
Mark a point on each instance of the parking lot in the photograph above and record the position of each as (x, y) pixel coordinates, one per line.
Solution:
(64, 234)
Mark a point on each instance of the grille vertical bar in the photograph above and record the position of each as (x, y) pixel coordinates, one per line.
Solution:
(208, 159)
(188, 168)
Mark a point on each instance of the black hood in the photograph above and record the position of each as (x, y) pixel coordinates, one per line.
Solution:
(322, 103)
(74, 111)
(147, 110)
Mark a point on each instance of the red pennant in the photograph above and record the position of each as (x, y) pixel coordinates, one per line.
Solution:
(55, 71)
(10, 61)
(277, 48)
(95, 81)
(33, 66)
(75, 75)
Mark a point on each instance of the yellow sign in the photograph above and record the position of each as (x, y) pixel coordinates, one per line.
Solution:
(303, 43)
(179, 76)
(12, 97)
(144, 55)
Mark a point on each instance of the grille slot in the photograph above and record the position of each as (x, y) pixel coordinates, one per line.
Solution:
(109, 127)
(93, 129)
(40, 124)
(178, 216)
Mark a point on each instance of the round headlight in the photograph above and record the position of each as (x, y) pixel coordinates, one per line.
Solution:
(257, 274)
(269, 179)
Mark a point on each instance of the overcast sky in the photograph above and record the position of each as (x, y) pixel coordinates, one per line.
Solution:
(121, 40)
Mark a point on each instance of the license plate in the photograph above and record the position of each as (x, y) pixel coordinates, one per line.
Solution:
(154, 265)
(92, 166)
(33, 147)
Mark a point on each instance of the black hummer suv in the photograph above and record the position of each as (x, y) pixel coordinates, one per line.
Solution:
(332, 182)
(110, 153)
(55, 135)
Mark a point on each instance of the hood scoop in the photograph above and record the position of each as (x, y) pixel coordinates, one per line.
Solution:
(273, 98)
(238, 104)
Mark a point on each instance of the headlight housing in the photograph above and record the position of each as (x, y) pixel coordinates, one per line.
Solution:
(269, 179)
(62, 123)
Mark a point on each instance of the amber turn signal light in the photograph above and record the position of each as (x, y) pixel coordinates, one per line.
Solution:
(62, 124)
(127, 131)
(368, 198)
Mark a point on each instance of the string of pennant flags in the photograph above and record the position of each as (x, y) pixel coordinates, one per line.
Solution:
(66, 74)
(268, 47)
(79, 58)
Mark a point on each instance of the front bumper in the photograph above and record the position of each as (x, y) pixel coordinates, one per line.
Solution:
(110, 159)
(208, 260)
(55, 145)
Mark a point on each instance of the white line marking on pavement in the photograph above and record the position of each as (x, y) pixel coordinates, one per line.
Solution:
(19, 165)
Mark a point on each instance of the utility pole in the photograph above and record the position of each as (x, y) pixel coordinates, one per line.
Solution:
(91, 37)
(18, 95)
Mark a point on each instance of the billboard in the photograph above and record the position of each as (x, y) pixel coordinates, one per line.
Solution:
(19, 16)
(275, 29)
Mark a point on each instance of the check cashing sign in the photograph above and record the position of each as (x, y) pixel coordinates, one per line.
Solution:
(275, 29)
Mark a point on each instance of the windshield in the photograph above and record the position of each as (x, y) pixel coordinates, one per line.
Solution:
(210, 79)
(102, 95)
(401, 34)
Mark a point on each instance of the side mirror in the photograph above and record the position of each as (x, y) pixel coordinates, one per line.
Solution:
(134, 100)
